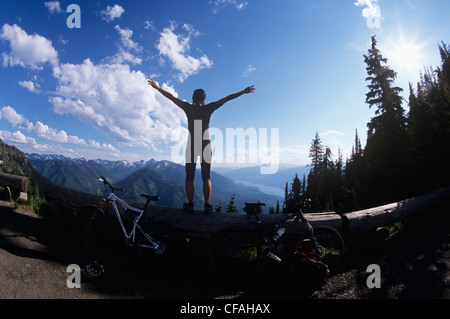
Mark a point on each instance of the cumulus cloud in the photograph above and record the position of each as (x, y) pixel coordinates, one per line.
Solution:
(128, 48)
(118, 102)
(15, 119)
(371, 12)
(111, 13)
(17, 137)
(125, 37)
(30, 86)
(27, 50)
(44, 131)
(111, 97)
(53, 6)
(176, 47)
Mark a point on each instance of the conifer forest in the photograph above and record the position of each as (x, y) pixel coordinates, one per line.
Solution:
(407, 151)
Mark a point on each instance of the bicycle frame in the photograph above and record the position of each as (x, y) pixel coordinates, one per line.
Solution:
(308, 229)
(130, 237)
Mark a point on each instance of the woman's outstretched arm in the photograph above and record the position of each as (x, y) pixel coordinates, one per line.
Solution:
(248, 89)
(168, 95)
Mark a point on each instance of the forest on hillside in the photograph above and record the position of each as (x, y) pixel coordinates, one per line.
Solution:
(406, 153)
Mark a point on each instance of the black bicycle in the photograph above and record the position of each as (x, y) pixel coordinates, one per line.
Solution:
(235, 251)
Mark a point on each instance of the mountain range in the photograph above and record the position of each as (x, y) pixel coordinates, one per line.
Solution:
(162, 178)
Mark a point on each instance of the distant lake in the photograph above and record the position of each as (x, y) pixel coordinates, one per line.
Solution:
(265, 189)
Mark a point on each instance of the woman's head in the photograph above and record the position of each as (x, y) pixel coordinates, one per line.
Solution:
(199, 97)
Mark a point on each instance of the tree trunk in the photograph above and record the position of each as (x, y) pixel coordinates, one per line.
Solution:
(18, 183)
(68, 202)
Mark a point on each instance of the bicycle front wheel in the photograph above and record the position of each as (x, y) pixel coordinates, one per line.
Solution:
(331, 247)
(233, 251)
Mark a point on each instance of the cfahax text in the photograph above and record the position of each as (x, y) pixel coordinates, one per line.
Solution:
(229, 308)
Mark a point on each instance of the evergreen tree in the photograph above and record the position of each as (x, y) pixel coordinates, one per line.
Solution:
(286, 198)
(353, 181)
(231, 205)
(316, 154)
(429, 128)
(386, 137)
(277, 209)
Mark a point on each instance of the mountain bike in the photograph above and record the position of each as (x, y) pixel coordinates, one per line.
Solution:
(154, 241)
(236, 251)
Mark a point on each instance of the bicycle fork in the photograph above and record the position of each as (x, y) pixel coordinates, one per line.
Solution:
(268, 253)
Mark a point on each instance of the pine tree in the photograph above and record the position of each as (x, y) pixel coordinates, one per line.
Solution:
(316, 154)
(386, 137)
(231, 205)
(297, 195)
(277, 209)
(429, 128)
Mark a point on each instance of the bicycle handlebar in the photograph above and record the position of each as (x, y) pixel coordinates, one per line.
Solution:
(112, 187)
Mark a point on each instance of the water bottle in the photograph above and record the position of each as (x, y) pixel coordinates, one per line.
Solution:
(279, 233)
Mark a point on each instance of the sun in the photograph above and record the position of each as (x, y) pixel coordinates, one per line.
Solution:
(407, 57)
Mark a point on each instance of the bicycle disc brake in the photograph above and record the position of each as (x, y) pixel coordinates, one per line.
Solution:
(160, 249)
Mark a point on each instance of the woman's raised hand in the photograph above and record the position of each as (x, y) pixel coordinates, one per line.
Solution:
(249, 89)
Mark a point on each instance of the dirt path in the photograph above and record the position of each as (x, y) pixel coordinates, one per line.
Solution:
(34, 255)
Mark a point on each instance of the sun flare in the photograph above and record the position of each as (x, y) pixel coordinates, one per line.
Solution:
(407, 57)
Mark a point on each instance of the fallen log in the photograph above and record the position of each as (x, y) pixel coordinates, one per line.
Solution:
(18, 183)
(67, 202)
(360, 222)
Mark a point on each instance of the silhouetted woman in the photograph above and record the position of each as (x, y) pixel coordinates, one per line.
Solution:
(199, 143)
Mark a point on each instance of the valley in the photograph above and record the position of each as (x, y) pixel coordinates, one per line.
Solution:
(161, 178)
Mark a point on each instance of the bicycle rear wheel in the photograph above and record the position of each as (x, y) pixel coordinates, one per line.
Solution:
(331, 247)
(233, 251)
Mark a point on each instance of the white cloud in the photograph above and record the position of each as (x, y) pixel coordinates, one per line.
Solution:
(113, 99)
(176, 48)
(117, 102)
(372, 12)
(15, 119)
(125, 37)
(27, 50)
(111, 13)
(29, 145)
(30, 86)
(44, 131)
(17, 137)
(149, 25)
(127, 48)
(250, 69)
(239, 5)
(53, 6)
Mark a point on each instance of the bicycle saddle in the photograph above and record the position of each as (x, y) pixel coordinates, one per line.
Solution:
(150, 198)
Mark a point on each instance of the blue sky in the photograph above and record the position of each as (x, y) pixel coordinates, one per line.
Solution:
(82, 92)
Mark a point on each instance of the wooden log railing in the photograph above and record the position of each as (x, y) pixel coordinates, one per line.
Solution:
(16, 185)
(67, 202)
